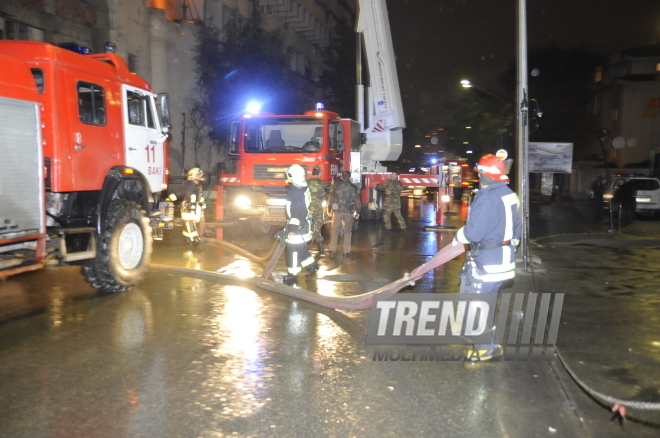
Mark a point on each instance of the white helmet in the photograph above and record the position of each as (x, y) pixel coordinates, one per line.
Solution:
(195, 174)
(296, 175)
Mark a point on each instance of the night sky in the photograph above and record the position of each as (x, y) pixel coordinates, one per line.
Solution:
(440, 42)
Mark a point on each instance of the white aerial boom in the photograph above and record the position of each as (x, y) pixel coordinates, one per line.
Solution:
(384, 120)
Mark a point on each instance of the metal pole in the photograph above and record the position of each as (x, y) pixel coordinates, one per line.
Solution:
(522, 132)
(502, 128)
(183, 146)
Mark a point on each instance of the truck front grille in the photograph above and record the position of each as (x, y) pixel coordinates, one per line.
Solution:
(271, 172)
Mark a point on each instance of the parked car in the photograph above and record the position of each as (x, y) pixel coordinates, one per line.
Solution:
(647, 192)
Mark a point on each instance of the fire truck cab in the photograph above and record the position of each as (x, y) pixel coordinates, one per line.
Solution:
(84, 159)
(263, 146)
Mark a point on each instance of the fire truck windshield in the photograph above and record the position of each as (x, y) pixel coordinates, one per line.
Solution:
(283, 135)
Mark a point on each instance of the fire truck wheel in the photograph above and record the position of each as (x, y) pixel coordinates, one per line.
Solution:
(124, 250)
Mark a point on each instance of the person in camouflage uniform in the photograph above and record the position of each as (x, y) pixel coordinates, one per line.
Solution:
(318, 189)
(345, 205)
(392, 203)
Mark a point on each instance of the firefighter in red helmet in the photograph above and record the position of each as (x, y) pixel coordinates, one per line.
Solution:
(493, 230)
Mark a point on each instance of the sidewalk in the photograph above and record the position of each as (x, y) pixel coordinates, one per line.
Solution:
(610, 327)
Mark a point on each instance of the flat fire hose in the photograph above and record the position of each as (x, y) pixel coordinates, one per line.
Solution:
(240, 251)
(358, 302)
(273, 260)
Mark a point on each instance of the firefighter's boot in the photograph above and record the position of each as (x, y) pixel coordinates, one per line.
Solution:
(311, 269)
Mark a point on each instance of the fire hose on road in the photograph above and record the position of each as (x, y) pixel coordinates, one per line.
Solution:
(357, 302)
(363, 301)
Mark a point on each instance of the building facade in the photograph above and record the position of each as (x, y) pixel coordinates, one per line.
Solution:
(156, 37)
(628, 107)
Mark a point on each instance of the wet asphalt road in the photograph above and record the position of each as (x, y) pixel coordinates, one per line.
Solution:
(186, 357)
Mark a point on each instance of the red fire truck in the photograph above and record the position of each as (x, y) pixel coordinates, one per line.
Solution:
(458, 175)
(263, 146)
(84, 157)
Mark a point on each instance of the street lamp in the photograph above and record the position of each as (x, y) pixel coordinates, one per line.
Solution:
(465, 83)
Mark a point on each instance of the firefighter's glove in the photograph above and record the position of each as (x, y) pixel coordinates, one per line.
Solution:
(280, 235)
(292, 229)
(455, 242)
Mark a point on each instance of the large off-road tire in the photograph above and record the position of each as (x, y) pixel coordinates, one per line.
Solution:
(124, 249)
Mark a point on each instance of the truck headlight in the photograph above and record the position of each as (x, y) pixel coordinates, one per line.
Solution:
(243, 202)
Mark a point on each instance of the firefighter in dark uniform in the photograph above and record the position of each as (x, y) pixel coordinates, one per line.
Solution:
(344, 204)
(298, 230)
(493, 231)
(318, 190)
(192, 204)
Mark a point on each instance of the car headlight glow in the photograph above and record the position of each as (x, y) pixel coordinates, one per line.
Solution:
(243, 202)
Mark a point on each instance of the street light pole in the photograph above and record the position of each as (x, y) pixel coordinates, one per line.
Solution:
(522, 133)
(468, 84)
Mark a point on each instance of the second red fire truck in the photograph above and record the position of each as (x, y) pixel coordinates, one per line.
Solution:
(262, 146)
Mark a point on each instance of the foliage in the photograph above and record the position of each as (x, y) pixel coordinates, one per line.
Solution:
(338, 77)
(490, 120)
(564, 90)
(244, 62)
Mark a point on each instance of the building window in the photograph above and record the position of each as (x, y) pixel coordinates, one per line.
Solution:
(308, 68)
(14, 30)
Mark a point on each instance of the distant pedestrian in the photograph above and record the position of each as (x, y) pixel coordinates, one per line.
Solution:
(625, 198)
(596, 197)
(344, 204)
(319, 190)
(392, 203)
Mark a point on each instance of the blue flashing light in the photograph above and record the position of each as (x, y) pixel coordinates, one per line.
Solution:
(77, 48)
(319, 106)
(253, 107)
(433, 160)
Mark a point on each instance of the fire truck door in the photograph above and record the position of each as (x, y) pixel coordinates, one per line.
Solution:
(144, 140)
(89, 126)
